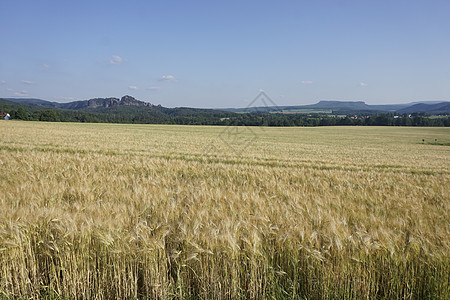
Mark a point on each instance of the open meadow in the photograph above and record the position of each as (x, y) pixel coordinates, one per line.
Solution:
(101, 211)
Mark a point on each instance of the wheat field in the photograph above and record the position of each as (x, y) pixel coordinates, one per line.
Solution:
(109, 211)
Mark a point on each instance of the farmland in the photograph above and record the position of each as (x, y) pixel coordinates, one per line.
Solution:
(163, 211)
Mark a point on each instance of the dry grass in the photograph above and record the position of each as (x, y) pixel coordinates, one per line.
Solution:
(138, 211)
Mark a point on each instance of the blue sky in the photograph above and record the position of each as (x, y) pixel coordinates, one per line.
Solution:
(221, 53)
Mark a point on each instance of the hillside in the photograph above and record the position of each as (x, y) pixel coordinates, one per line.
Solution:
(130, 110)
(84, 104)
(35, 102)
(324, 106)
(8, 105)
(351, 107)
(110, 110)
(340, 105)
(437, 108)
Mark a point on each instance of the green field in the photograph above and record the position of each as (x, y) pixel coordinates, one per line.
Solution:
(157, 211)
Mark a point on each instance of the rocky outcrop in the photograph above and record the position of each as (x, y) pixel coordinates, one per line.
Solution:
(105, 102)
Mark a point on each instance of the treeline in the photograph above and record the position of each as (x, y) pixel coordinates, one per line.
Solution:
(381, 119)
(188, 116)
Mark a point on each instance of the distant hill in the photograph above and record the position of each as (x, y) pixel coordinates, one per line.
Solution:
(321, 105)
(130, 110)
(349, 107)
(105, 103)
(437, 108)
(85, 104)
(427, 102)
(130, 105)
(125, 109)
(340, 105)
(390, 107)
(16, 104)
(35, 102)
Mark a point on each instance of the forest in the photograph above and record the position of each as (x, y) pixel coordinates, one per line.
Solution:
(190, 116)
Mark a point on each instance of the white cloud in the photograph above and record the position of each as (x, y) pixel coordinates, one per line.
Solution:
(133, 87)
(45, 66)
(29, 82)
(307, 82)
(64, 98)
(2, 82)
(170, 78)
(362, 84)
(116, 60)
(153, 88)
(10, 90)
(21, 94)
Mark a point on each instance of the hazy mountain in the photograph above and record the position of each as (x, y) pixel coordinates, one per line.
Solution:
(105, 102)
(340, 105)
(129, 110)
(349, 107)
(437, 108)
(324, 105)
(126, 106)
(16, 104)
(130, 104)
(389, 107)
(35, 102)
(427, 102)
(85, 104)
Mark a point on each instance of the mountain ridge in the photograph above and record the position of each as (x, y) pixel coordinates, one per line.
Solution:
(84, 104)
(333, 106)
(351, 106)
(428, 108)
(130, 110)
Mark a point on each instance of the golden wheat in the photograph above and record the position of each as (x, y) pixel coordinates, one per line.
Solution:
(97, 211)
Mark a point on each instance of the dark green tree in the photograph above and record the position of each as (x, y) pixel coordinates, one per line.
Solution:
(49, 115)
(21, 114)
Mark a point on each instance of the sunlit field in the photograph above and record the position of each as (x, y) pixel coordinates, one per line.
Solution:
(101, 211)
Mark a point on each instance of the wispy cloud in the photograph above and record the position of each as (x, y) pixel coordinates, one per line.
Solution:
(46, 66)
(153, 88)
(133, 88)
(170, 78)
(21, 94)
(306, 82)
(362, 84)
(2, 82)
(65, 98)
(28, 82)
(116, 60)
